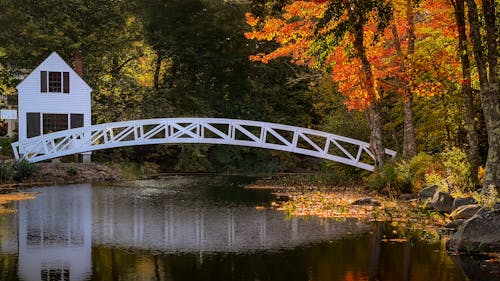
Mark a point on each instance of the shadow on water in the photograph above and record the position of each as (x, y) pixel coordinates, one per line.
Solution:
(198, 229)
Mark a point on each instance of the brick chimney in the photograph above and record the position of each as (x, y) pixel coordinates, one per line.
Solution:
(79, 63)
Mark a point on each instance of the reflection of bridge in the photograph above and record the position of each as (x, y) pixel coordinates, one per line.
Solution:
(57, 244)
(199, 130)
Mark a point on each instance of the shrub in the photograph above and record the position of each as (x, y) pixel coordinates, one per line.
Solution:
(488, 196)
(71, 171)
(419, 166)
(6, 171)
(405, 176)
(149, 168)
(23, 169)
(457, 170)
(384, 179)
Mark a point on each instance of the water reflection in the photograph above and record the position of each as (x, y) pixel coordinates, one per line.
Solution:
(55, 234)
(163, 220)
(188, 230)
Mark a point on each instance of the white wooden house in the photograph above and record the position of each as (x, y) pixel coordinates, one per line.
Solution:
(52, 98)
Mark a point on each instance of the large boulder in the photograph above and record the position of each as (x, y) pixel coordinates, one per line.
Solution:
(465, 211)
(442, 202)
(427, 192)
(461, 201)
(479, 233)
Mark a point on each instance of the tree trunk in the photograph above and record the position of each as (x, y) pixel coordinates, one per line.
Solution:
(156, 77)
(470, 123)
(409, 146)
(493, 160)
(489, 98)
(376, 142)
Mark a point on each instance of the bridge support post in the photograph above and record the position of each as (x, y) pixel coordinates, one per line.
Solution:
(86, 159)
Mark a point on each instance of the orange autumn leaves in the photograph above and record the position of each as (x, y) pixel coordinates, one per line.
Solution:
(293, 31)
(425, 71)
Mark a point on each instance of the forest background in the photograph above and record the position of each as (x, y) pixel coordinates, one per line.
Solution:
(419, 77)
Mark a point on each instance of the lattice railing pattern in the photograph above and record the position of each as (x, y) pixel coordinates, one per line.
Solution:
(199, 130)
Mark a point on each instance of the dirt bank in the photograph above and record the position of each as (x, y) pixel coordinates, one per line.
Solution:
(66, 173)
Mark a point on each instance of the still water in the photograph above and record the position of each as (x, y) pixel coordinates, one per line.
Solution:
(185, 228)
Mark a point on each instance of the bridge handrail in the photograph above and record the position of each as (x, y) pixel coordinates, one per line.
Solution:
(79, 140)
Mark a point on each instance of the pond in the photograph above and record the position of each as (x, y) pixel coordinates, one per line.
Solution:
(199, 228)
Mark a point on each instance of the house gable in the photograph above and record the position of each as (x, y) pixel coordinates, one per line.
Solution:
(52, 98)
(53, 63)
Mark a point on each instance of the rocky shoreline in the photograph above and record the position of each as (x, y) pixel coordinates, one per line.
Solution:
(473, 227)
(66, 173)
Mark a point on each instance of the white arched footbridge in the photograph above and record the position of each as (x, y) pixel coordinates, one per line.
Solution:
(199, 130)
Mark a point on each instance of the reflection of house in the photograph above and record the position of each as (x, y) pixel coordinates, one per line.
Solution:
(55, 244)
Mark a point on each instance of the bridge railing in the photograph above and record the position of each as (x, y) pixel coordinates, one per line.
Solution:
(199, 130)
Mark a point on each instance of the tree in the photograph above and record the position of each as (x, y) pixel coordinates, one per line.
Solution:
(307, 31)
(488, 80)
(467, 94)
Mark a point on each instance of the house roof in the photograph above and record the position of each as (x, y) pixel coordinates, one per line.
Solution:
(54, 62)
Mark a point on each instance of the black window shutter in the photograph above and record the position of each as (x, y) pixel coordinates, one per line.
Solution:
(66, 82)
(76, 120)
(43, 81)
(33, 124)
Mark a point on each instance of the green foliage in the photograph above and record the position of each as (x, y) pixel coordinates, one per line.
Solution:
(419, 166)
(6, 171)
(5, 145)
(457, 170)
(193, 159)
(23, 170)
(487, 197)
(404, 176)
(71, 171)
(133, 171)
(384, 180)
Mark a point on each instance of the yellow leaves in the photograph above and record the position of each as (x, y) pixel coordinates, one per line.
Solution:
(9, 197)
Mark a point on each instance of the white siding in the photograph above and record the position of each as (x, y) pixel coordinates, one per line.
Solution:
(31, 99)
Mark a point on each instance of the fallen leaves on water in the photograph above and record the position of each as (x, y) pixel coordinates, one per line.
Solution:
(10, 197)
(336, 203)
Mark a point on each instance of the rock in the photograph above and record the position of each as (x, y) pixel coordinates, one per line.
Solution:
(496, 206)
(479, 233)
(442, 202)
(406, 197)
(366, 202)
(427, 192)
(475, 268)
(428, 205)
(461, 201)
(465, 211)
(454, 225)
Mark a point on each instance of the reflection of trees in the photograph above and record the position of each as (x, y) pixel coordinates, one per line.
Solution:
(375, 249)
(8, 246)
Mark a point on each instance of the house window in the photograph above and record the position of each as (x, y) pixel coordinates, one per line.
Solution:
(76, 120)
(54, 82)
(33, 124)
(54, 122)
